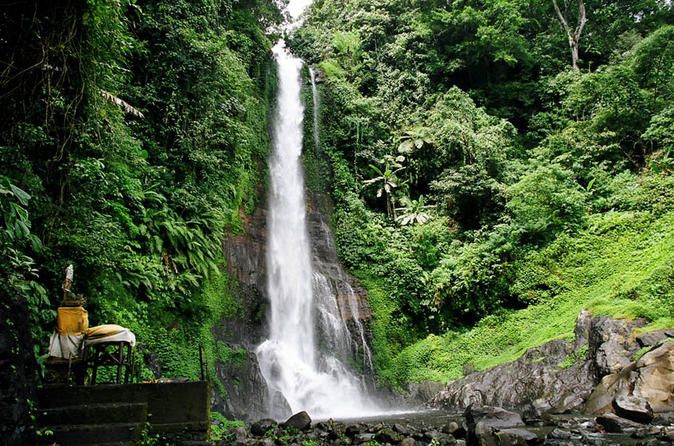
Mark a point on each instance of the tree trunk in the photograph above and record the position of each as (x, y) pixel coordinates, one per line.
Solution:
(387, 197)
(573, 35)
(574, 55)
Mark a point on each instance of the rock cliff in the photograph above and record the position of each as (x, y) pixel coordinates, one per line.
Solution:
(559, 377)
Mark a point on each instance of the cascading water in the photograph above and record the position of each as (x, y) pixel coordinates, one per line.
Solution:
(309, 378)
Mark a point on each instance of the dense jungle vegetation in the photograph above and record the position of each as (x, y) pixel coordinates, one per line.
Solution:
(133, 139)
(488, 183)
(495, 167)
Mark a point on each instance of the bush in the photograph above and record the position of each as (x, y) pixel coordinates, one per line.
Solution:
(545, 202)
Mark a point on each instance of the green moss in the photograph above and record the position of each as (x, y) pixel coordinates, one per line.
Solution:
(221, 427)
(230, 355)
(641, 352)
(391, 331)
(574, 358)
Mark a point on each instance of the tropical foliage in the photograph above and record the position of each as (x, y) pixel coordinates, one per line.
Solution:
(139, 130)
(524, 126)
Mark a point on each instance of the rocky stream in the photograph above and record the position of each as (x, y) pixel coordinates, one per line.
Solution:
(619, 390)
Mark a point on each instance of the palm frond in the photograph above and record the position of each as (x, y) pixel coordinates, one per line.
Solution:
(128, 108)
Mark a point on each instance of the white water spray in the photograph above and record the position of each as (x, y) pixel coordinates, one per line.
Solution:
(291, 363)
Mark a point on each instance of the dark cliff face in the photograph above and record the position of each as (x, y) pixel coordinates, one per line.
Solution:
(246, 393)
(246, 263)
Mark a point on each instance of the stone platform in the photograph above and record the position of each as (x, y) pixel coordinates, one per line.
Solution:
(178, 413)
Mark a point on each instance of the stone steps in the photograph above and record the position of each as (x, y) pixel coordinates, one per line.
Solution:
(63, 396)
(94, 414)
(117, 414)
(94, 434)
(90, 415)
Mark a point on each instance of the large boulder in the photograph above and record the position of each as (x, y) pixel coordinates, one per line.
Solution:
(259, 428)
(517, 437)
(653, 338)
(388, 435)
(655, 380)
(612, 343)
(484, 422)
(299, 421)
(640, 390)
(633, 407)
(455, 429)
(614, 424)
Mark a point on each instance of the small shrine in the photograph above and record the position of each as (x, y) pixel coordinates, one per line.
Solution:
(90, 395)
(77, 352)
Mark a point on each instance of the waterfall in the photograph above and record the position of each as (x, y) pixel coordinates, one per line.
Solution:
(312, 379)
(316, 109)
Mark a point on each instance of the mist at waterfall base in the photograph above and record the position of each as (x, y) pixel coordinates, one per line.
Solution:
(304, 304)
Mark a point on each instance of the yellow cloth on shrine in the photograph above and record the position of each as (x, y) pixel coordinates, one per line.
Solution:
(108, 334)
(72, 320)
(104, 330)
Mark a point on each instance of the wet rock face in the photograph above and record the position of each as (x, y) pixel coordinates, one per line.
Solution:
(247, 396)
(423, 391)
(246, 263)
(325, 260)
(352, 306)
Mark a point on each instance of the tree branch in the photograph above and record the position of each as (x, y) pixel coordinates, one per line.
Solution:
(562, 19)
(582, 19)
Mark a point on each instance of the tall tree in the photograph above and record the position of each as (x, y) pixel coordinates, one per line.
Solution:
(573, 35)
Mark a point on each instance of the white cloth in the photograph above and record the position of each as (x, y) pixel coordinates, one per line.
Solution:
(65, 346)
(124, 336)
